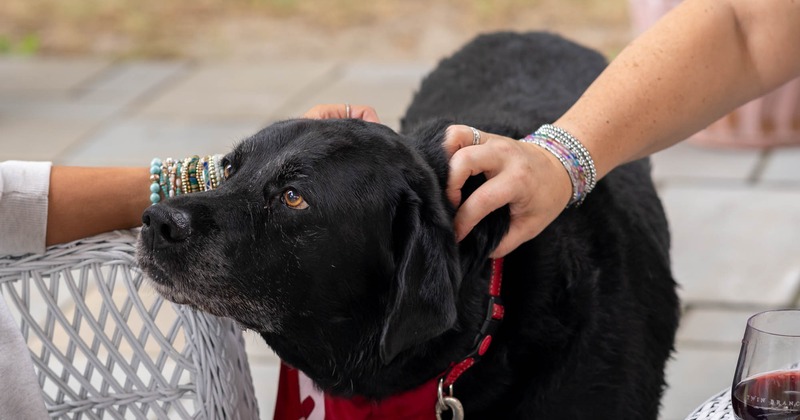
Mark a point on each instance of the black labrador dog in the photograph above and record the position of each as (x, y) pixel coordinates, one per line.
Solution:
(334, 240)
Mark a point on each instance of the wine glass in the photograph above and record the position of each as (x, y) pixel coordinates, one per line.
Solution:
(766, 385)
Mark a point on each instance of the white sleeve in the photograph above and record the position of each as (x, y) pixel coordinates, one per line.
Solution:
(23, 206)
(23, 222)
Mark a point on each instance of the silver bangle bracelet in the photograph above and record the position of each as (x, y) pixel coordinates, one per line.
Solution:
(577, 148)
(574, 178)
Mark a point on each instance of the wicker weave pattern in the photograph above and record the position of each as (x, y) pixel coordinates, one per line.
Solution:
(717, 407)
(105, 345)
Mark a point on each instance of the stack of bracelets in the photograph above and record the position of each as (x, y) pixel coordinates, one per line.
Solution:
(572, 155)
(171, 177)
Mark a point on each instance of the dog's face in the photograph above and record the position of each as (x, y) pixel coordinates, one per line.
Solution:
(330, 234)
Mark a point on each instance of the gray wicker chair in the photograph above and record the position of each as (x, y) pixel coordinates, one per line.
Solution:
(104, 345)
(717, 407)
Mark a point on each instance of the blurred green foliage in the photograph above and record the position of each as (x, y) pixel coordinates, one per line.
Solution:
(27, 45)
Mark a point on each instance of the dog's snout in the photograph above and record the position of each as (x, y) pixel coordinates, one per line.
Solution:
(166, 225)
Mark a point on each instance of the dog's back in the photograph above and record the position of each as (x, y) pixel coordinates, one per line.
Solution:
(591, 303)
(514, 82)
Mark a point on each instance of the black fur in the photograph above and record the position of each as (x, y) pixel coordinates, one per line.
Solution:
(366, 290)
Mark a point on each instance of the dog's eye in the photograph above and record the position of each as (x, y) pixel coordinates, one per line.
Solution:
(227, 171)
(294, 200)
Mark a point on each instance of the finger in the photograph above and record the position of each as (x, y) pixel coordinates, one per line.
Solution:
(363, 112)
(325, 111)
(329, 111)
(490, 196)
(451, 141)
(459, 136)
(469, 162)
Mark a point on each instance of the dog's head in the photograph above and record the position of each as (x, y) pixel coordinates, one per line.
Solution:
(326, 237)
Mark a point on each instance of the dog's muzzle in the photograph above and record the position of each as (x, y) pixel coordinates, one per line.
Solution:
(165, 226)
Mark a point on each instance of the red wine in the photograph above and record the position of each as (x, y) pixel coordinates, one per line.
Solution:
(772, 396)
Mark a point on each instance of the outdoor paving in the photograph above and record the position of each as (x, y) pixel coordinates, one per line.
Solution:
(734, 214)
(735, 219)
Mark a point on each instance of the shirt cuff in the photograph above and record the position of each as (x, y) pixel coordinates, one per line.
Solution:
(23, 206)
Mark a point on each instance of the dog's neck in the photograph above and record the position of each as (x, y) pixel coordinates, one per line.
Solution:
(352, 368)
(350, 372)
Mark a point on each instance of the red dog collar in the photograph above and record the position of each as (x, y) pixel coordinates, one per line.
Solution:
(494, 315)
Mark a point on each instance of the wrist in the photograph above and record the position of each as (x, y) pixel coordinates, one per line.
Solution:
(606, 137)
(574, 158)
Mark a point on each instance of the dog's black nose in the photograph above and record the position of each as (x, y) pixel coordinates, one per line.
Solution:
(166, 225)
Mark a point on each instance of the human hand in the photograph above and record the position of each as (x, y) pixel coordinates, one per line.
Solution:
(525, 176)
(327, 111)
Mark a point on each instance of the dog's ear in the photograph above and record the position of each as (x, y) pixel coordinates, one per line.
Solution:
(423, 302)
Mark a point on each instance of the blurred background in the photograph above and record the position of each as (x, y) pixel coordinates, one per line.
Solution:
(117, 82)
(281, 29)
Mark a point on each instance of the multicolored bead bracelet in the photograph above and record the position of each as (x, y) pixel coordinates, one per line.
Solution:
(572, 155)
(171, 177)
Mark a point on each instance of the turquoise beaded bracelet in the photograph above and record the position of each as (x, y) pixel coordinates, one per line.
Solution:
(155, 177)
(171, 178)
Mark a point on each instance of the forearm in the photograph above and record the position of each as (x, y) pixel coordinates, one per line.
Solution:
(702, 60)
(87, 201)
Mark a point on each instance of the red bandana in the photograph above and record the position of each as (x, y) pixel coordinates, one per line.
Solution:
(295, 402)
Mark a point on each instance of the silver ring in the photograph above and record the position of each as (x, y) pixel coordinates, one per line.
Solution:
(347, 110)
(476, 136)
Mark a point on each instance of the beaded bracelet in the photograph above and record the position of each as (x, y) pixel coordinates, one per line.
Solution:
(562, 136)
(171, 178)
(573, 157)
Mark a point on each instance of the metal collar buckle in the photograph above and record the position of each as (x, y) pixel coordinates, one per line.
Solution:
(448, 402)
